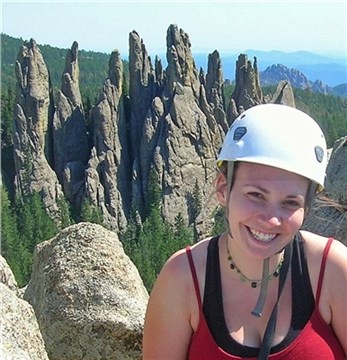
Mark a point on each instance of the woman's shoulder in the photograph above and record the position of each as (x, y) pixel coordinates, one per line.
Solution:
(335, 272)
(178, 262)
(315, 245)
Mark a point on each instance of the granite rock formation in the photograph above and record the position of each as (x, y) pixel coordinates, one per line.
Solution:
(284, 94)
(33, 129)
(247, 91)
(179, 143)
(88, 297)
(142, 88)
(20, 334)
(71, 149)
(107, 178)
(329, 218)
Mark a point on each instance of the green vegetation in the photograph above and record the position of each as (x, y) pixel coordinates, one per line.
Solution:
(328, 110)
(22, 228)
(150, 245)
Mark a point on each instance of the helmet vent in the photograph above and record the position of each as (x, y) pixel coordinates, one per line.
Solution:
(319, 153)
(239, 132)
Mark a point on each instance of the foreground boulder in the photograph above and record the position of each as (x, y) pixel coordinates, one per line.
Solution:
(88, 296)
(20, 333)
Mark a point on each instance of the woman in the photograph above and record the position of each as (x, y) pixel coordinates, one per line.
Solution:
(264, 288)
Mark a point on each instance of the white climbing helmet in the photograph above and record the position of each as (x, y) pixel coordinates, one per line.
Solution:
(278, 136)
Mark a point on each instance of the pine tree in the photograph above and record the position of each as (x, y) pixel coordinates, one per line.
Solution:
(196, 201)
(34, 226)
(90, 213)
(219, 222)
(10, 236)
(7, 116)
(65, 216)
(183, 235)
(153, 194)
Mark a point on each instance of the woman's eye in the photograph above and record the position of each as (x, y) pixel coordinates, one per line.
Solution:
(255, 195)
(293, 203)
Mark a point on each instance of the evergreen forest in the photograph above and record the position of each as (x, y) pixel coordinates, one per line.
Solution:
(148, 241)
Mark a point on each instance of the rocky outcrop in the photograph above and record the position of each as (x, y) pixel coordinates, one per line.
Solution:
(71, 150)
(328, 216)
(142, 87)
(33, 125)
(247, 91)
(179, 143)
(284, 94)
(6, 275)
(88, 296)
(181, 68)
(108, 182)
(20, 333)
(211, 93)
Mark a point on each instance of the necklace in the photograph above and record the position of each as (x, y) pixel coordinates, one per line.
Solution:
(244, 278)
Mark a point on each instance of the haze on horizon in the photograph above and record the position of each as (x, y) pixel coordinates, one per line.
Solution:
(226, 26)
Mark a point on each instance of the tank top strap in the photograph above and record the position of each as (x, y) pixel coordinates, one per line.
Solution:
(194, 276)
(322, 270)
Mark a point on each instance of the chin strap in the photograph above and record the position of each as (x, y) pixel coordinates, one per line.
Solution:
(257, 311)
(271, 325)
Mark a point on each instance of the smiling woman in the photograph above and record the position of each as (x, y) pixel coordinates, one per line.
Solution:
(263, 289)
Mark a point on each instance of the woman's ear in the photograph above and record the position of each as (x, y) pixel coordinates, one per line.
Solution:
(221, 189)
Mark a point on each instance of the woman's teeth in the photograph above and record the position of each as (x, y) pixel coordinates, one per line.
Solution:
(261, 236)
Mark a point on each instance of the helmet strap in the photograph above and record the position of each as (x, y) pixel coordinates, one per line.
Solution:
(312, 189)
(230, 174)
(257, 311)
(271, 325)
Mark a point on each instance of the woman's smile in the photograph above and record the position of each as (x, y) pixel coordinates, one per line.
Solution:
(260, 236)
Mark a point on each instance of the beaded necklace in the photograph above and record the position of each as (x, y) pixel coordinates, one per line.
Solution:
(244, 278)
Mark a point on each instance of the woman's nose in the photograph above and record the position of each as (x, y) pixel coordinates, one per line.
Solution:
(271, 217)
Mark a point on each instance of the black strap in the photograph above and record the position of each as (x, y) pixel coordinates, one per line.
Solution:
(270, 328)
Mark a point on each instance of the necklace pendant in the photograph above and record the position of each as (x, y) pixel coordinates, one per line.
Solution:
(254, 284)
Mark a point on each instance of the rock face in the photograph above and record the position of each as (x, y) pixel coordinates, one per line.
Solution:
(178, 143)
(6, 275)
(88, 296)
(247, 91)
(284, 94)
(32, 134)
(142, 88)
(20, 333)
(333, 213)
(71, 149)
(108, 181)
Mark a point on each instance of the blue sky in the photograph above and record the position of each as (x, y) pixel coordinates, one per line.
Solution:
(226, 26)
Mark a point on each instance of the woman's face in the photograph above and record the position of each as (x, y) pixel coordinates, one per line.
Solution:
(266, 207)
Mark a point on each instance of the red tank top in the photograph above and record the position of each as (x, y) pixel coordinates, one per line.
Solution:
(316, 341)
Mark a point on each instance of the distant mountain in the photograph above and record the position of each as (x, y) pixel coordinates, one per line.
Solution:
(275, 73)
(341, 90)
(331, 71)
